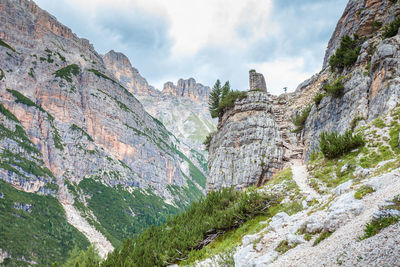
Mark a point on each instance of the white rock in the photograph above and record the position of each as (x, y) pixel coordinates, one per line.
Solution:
(279, 220)
(342, 188)
(294, 239)
(344, 208)
(315, 223)
(344, 168)
(386, 214)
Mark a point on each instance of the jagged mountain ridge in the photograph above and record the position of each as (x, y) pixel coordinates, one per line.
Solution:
(182, 108)
(70, 129)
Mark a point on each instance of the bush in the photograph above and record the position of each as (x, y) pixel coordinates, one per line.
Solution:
(207, 141)
(300, 119)
(67, 72)
(335, 88)
(334, 145)
(318, 98)
(228, 101)
(347, 53)
(172, 242)
(391, 29)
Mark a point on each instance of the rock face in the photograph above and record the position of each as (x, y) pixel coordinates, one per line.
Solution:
(257, 81)
(183, 109)
(371, 86)
(188, 89)
(247, 149)
(67, 120)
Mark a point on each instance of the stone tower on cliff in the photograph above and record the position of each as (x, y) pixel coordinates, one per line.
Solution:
(257, 81)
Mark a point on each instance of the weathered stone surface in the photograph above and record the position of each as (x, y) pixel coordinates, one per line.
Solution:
(188, 89)
(246, 150)
(183, 109)
(257, 81)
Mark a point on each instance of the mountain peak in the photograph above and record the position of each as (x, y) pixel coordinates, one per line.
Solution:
(188, 89)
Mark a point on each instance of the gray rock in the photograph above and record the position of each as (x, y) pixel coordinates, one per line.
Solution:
(23, 206)
(314, 223)
(344, 208)
(293, 239)
(246, 150)
(257, 81)
(391, 213)
(279, 221)
(342, 188)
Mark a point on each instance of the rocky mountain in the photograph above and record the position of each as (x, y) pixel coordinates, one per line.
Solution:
(182, 108)
(341, 210)
(85, 156)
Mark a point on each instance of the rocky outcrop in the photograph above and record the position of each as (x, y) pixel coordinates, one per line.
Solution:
(257, 81)
(66, 117)
(247, 149)
(188, 89)
(128, 76)
(371, 85)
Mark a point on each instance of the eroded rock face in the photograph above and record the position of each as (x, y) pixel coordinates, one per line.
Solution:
(371, 86)
(188, 89)
(257, 81)
(183, 109)
(247, 149)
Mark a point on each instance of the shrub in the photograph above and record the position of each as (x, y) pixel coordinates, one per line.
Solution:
(355, 122)
(207, 141)
(391, 29)
(324, 235)
(205, 220)
(67, 72)
(347, 53)
(300, 119)
(334, 145)
(318, 98)
(363, 191)
(228, 101)
(4, 44)
(335, 88)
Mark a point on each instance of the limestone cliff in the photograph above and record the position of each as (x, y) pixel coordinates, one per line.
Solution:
(182, 108)
(247, 148)
(71, 129)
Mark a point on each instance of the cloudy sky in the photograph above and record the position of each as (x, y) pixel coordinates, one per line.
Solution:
(208, 39)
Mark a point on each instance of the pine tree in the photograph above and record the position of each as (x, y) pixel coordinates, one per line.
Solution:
(225, 90)
(215, 99)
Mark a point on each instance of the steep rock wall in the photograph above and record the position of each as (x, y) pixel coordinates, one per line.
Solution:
(247, 149)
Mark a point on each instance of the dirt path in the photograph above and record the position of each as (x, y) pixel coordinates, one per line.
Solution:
(300, 175)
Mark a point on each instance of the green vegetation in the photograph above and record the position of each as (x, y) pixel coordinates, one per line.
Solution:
(31, 73)
(20, 98)
(8, 113)
(101, 75)
(300, 119)
(10, 160)
(363, 191)
(335, 88)
(222, 99)
(375, 226)
(207, 141)
(2, 75)
(67, 72)
(379, 123)
(4, 44)
(394, 137)
(391, 29)
(62, 58)
(172, 242)
(324, 235)
(44, 231)
(80, 258)
(18, 135)
(75, 127)
(284, 246)
(347, 53)
(334, 145)
(355, 122)
(318, 98)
